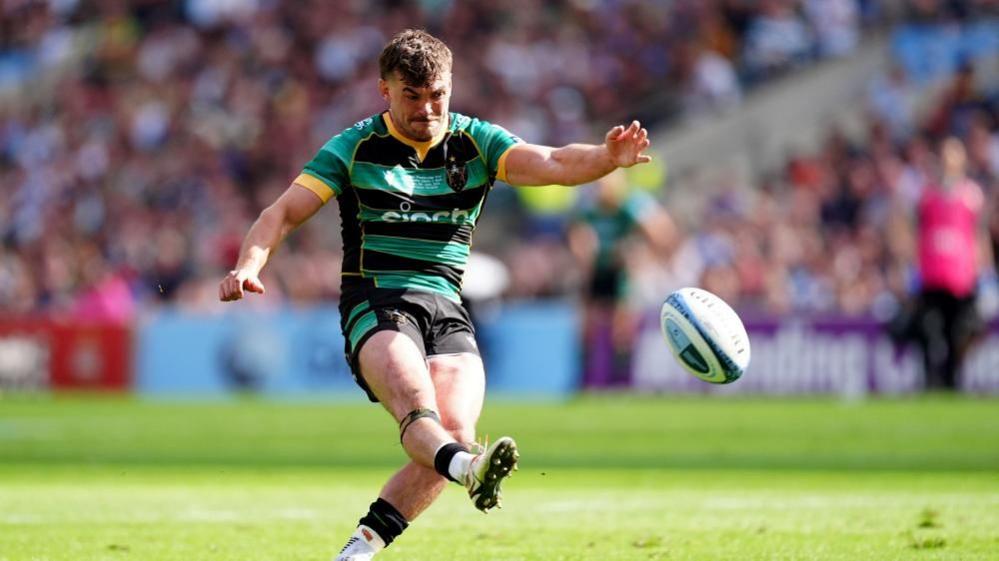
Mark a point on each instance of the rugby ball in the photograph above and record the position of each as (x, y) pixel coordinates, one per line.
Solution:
(705, 335)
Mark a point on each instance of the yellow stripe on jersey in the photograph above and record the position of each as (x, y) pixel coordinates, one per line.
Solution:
(318, 186)
(501, 164)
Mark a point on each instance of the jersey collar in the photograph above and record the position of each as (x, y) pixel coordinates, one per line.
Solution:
(421, 147)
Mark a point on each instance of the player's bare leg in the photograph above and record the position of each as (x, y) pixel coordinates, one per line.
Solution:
(459, 382)
(395, 371)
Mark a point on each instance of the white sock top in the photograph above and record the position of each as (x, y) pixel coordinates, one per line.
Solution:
(370, 537)
(458, 468)
(362, 545)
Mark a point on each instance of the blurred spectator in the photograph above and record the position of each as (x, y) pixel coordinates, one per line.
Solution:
(602, 239)
(950, 261)
(891, 99)
(776, 39)
(712, 83)
(836, 25)
(962, 101)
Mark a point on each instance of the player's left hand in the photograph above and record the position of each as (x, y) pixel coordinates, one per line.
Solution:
(625, 145)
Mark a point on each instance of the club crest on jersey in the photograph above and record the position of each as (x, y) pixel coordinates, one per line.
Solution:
(457, 174)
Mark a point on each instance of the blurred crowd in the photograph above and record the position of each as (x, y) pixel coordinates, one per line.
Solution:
(139, 139)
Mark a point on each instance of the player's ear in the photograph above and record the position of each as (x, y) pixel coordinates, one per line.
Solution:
(383, 89)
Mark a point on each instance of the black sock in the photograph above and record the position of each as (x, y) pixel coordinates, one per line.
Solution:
(384, 519)
(443, 458)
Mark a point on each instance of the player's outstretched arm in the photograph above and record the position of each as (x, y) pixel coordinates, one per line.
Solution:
(531, 164)
(292, 208)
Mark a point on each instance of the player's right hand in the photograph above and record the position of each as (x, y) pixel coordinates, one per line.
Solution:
(626, 144)
(236, 282)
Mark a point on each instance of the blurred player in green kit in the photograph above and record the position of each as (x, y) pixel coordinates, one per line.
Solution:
(600, 239)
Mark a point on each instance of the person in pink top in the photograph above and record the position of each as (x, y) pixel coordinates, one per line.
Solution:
(950, 251)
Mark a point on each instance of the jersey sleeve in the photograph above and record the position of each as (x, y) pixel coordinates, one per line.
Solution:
(638, 207)
(328, 173)
(494, 143)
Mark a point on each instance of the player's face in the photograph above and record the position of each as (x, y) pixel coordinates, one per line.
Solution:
(419, 112)
(611, 190)
(953, 156)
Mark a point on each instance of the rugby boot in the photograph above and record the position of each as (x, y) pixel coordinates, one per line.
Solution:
(487, 471)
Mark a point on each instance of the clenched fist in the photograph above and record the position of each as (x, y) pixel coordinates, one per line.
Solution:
(236, 282)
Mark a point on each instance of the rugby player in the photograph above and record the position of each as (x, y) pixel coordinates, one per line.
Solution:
(411, 183)
(599, 239)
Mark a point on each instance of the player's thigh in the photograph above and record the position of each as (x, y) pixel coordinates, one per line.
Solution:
(396, 371)
(460, 384)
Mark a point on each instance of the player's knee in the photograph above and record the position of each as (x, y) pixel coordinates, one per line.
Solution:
(464, 434)
(458, 364)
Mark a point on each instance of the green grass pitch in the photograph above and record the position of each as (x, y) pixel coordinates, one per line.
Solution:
(609, 478)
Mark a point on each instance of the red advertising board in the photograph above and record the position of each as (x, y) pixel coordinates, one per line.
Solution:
(43, 353)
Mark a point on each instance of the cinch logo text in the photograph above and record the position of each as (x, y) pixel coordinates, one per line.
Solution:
(456, 216)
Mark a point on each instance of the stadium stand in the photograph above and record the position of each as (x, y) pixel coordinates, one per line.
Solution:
(137, 140)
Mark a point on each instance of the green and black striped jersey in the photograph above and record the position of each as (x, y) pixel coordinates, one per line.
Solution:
(408, 208)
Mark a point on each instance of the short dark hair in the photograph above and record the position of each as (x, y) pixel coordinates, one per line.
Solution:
(419, 57)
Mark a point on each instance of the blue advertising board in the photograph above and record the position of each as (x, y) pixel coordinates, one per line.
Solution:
(529, 350)
(282, 352)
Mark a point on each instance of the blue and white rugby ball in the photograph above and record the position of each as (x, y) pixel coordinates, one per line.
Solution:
(706, 335)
